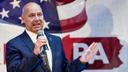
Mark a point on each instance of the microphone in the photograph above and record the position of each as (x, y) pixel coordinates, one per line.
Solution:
(43, 53)
(41, 33)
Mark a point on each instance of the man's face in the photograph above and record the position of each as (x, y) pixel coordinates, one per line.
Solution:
(33, 18)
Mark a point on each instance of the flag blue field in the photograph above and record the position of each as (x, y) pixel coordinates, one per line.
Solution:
(10, 11)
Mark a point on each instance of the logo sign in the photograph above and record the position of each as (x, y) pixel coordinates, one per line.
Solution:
(108, 51)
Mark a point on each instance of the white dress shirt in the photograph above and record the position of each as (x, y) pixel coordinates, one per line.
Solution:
(33, 37)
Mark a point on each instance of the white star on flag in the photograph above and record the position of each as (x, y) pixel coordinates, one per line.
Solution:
(15, 4)
(46, 25)
(4, 13)
(42, 1)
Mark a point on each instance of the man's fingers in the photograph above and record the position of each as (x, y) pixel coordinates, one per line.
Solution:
(92, 50)
(92, 46)
(90, 53)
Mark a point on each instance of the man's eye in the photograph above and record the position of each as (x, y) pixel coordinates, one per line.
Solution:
(40, 14)
(31, 15)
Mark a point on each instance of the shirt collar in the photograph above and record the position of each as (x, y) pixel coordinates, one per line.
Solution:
(32, 35)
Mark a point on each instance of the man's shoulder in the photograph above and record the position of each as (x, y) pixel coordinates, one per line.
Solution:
(52, 35)
(15, 39)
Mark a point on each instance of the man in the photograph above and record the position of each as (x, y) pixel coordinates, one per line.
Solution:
(23, 52)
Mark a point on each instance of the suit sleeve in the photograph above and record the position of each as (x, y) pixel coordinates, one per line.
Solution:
(16, 62)
(74, 66)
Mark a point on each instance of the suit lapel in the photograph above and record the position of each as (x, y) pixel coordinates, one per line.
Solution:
(27, 41)
(52, 46)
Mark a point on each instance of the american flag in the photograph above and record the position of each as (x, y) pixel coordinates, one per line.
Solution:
(10, 11)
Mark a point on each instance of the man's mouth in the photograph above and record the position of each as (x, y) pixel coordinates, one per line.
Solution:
(36, 24)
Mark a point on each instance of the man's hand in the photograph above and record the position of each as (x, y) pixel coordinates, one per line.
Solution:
(40, 42)
(89, 54)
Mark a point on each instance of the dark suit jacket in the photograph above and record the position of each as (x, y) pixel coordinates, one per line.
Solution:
(20, 56)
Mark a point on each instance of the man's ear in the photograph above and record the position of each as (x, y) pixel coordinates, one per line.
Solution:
(22, 19)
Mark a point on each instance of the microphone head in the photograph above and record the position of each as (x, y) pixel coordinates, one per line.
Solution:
(40, 33)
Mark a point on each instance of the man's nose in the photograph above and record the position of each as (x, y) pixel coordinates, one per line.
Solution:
(37, 18)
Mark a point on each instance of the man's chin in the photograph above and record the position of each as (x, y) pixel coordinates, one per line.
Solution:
(36, 29)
